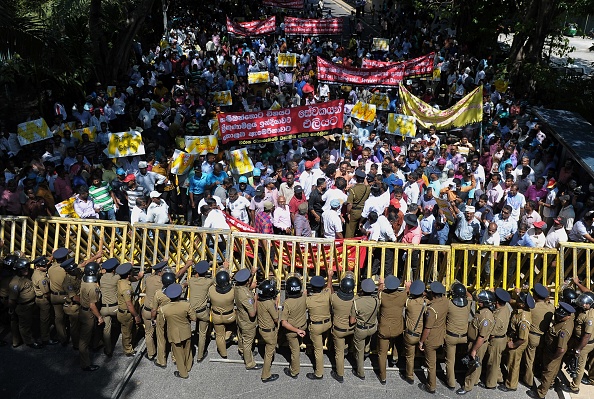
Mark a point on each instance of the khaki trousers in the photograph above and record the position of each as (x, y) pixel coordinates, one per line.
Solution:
(317, 332)
(87, 323)
(182, 351)
(339, 339)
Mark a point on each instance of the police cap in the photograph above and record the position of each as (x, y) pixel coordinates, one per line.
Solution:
(317, 282)
(201, 267)
(529, 301)
(391, 283)
(68, 264)
(40, 261)
(566, 307)
(437, 288)
(417, 288)
(60, 254)
(541, 291)
(160, 265)
(242, 276)
(368, 286)
(359, 173)
(110, 264)
(174, 291)
(124, 268)
(502, 294)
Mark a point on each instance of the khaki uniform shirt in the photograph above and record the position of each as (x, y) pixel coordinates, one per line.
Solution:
(558, 335)
(365, 310)
(71, 285)
(267, 314)
(178, 315)
(482, 325)
(21, 290)
(358, 194)
(245, 302)
(501, 317)
(341, 310)
(457, 319)
(318, 305)
(294, 311)
(584, 324)
(519, 326)
(124, 293)
(152, 284)
(542, 316)
(391, 312)
(89, 293)
(221, 303)
(56, 276)
(199, 287)
(109, 288)
(160, 299)
(435, 319)
(40, 283)
(414, 314)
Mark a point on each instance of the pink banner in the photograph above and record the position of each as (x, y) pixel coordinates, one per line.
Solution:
(282, 124)
(295, 4)
(419, 66)
(252, 28)
(299, 26)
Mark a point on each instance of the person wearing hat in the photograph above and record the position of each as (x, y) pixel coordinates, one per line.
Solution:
(294, 320)
(318, 308)
(459, 309)
(178, 315)
(148, 179)
(357, 195)
(415, 308)
(244, 189)
(199, 285)
(434, 330)
(467, 227)
(257, 203)
(222, 309)
(342, 302)
(21, 305)
(152, 283)
(519, 328)
(333, 221)
(263, 220)
(246, 304)
(41, 286)
(542, 315)
(479, 331)
(132, 191)
(556, 234)
(157, 319)
(390, 321)
(268, 317)
(158, 210)
(556, 341)
(127, 314)
(364, 317)
(498, 340)
(536, 234)
(109, 301)
(297, 200)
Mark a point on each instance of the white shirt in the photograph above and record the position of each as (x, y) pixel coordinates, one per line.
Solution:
(332, 224)
(377, 204)
(555, 237)
(411, 189)
(516, 202)
(333, 194)
(493, 239)
(158, 213)
(239, 209)
(539, 240)
(216, 220)
(214, 197)
(381, 230)
(138, 216)
(281, 218)
(550, 200)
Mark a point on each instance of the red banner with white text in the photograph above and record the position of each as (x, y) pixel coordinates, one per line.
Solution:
(300, 26)
(294, 4)
(252, 28)
(420, 66)
(282, 124)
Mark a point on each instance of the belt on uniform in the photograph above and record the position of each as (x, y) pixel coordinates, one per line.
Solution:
(26, 303)
(362, 327)
(109, 305)
(223, 313)
(147, 309)
(412, 333)
(201, 310)
(451, 334)
(268, 329)
(320, 322)
(85, 309)
(123, 311)
(590, 342)
(343, 329)
(535, 333)
(59, 293)
(498, 336)
(39, 296)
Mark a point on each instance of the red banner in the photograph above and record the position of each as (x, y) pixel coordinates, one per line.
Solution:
(295, 4)
(282, 124)
(420, 66)
(299, 26)
(389, 75)
(252, 28)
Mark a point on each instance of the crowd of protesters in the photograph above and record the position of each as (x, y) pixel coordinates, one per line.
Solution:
(512, 188)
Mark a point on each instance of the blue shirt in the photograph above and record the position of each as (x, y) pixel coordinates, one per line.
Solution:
(249, 190)
(197, 185)
(392, 181)
(524, 241)
(211, 178)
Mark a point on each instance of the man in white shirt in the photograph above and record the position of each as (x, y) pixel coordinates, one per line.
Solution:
(336, 192)
(537, 235)
(281, 218)
(139, 212)
(146, 114)
(333, 221)
(494, 190)
(517, 201)
(379, 228)
(556, 235)
(215, 219)
(158, 210)
(490, 237)
(238, 206)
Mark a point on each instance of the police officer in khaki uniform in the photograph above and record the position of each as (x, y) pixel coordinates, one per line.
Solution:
(542, 314)
(556, 341)
(364, 316)
(152, 283)
(390, 320)
(342, 302)
(459, 309)
(71, 285)
(582, 341)
(199, 285)
(56, 275)
(178, 316)
(320, 320)
(157, 318)
(519, 332)
(294, 320)
(42, 299)
(479, 332)
(433, 332)
(222, 309)
(358, 194)
(268, 317)
(415, 308)
(21, 302)
(109, 303)
(6, 274)
(498, 340)
(246, 305)
(89, 315)
(127, 315)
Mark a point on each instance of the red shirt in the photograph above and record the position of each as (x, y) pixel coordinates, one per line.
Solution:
(295, 202)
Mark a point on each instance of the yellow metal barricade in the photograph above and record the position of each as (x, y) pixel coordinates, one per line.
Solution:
(14, 234)
(575, 261)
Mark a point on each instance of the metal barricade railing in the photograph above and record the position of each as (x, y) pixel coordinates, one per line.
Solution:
(482, 266)
(14, 234)
(575, 260)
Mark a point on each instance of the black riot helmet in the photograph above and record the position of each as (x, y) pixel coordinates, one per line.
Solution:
(223, 282)
(346, 288)
(167, 279)
(569, 296)
(293, 287)
(458, 293)
(487, 298)
(91, 272)
(266, 290)
(584, 299)
(10, 260)
(21, 264)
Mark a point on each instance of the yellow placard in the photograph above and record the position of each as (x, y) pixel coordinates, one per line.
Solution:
(182, 162)
(501, 85)
(364, 111)
(436, 73)
(33, 131)
(258, 77)
(222, 98)
(380, 44)
(402, 125)
(202, 144)
(275, 105)
(348, 141)
(380, 100)
(214, 128)
(241, 162)
(124, 144)
(287, 60)
(160, 108)
(65, 126)
(111, 90)
(91, 131)
(66, 208)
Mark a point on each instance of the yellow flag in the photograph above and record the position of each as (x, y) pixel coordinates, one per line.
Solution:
(363, 111)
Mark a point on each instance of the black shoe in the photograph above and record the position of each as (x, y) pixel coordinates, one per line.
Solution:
(288, 373)
(203, 357)
(450, 388)
(313, 376)
(176, 373)
(51, 342)
(92, 367)
(586, 381)
(337, 377)
(484, 386)
(15, 346)
(461, 391)
(568, 389)
(425, 388)
(151, 358)
(163, 366)
(383, 382)
(256, 367)
(273, 377)
(405, 378)
(361, 377)
(533, 394)
(505, 389)
(131, 354)
(35, 345)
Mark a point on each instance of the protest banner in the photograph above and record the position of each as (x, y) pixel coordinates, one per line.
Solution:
(380, 100)
(283, 124)
(222, 98)
(65, 126)
(124, 144)
(252, 28)
(202, 145)
(66, 208)
(89, 131)
(363, 111)
(258, 77)
(33, 131)
(287, 60)
(402, 125)
(417, 67)
(311, 26)
(182, 162)
(380, 44)
(240, 163)
(213, 124)
(445, 207)
(293, 4)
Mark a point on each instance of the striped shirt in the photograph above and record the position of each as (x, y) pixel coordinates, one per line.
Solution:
(101, 196)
